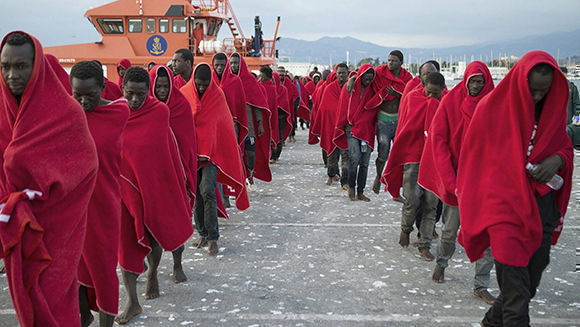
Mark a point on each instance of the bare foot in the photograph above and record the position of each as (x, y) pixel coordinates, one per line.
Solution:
(129, 313)
(200, 242)
(179, 275)
(152, 287)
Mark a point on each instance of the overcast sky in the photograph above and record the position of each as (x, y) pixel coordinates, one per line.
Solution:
(401, 23)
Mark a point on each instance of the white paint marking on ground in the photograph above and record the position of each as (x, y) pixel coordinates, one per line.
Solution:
(330, 225)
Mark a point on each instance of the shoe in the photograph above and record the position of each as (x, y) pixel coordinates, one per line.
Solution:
(484, 295)
(336, 178)
(212, 248)
(438, 274)
(345, 187)
(226, 200)
(200, 242)
(329, 181)
(435, 235)
(377, 185)
(273, 161)
(426, 255)
(351, 195)
(404, 239)
(362, 197)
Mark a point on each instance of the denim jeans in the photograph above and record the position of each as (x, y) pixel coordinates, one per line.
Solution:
(358, 163)
(385, 135)
(205, 208)
(446, 248)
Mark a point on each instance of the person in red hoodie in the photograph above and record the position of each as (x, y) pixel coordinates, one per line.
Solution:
(415, 116)
(389, 85)
(509, 196)
(182, 65)
(99, 284)
(438, 169)
(49, 169)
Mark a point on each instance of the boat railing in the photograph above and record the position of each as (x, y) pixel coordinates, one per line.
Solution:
(238, 45)
(219, 6)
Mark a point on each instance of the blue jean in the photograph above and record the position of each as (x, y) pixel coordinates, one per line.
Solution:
(205, 208)
(358, 163)
(385, 135)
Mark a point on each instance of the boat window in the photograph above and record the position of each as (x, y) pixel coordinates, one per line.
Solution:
(150, 26)
(111, 25)
(135, 25)
(164, 26)
(211, 27)
(179, 26)
(217, 29)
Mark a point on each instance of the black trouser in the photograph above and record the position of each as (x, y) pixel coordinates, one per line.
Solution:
(419, 215)
(333, 169)
(281, 129)
(518, 285)
(205, 208)
(250, 148)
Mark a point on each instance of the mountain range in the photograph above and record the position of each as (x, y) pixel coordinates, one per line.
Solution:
(333, 49)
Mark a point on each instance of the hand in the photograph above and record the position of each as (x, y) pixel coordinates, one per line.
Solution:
(350, 84)
(260, 129)
(547, 169)
(202, 158)
(391, 90)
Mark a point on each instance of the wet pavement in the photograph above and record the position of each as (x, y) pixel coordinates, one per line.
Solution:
(304, 255)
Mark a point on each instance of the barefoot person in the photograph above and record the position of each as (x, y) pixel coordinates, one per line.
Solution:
(98, 266)
(183, 129)
(502, 203)
(438, 169)
(416, 113)
(218, 154)
(43, 197)
(284, 117)
(155, 215)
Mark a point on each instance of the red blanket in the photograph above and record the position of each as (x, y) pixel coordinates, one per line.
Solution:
(45, 146)
(98, 266)
(112, 91)
(416, 112)
(255, 97)
(152, 187)
(236, 99)
(354, 111)
(183, 128)
(438, 170)
(216, 137)
(125, 63)
(383, 80)
(60, 72)
(325, 122)
(179, 82)
(411, 85)
(284, 104)
(497, 198)
(293, 95)
(270, 92)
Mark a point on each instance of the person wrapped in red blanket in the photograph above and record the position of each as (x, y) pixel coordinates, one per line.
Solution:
(156, 214)
(122, 67)
(43, 198)
(355, 129)
(388, 85)
(271, 93)
(183, 129)
(219, 159)
(284, 117)
(503, 202)
(182, 65)
(415, 116)
(438, 169)
(257, 144)
(97, 273)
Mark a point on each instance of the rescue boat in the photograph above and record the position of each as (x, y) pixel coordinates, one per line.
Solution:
(146, 31)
